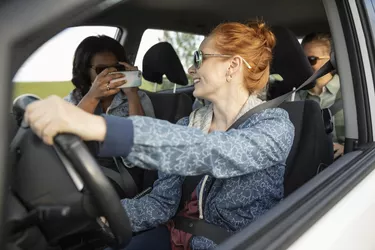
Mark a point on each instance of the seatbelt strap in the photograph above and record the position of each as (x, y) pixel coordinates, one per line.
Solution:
(202, 228)
(130, 188)
(336, 107)
(274, 103)
(114, 176)
(188, 186)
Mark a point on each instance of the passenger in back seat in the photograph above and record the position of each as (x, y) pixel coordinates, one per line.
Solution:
(93, 93)
(317, 47)
(244, 166)
(93, 61)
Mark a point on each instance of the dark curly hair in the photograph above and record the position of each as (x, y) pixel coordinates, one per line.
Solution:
(83, 55)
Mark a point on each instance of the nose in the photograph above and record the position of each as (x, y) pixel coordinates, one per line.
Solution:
(192, 70)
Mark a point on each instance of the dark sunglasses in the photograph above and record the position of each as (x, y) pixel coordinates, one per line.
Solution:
(199, 56)
(314, 59)
(99, 69)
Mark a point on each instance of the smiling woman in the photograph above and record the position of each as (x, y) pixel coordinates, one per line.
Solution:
(251, 155)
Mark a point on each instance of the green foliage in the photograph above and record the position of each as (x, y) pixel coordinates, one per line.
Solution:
(184, 43)
(62, 89)
(43, 89)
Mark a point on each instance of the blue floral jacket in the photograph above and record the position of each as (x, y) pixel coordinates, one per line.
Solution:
(248, 164)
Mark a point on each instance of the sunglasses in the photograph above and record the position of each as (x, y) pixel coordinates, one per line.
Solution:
(314, 59)
(199, 55)
(100, 68)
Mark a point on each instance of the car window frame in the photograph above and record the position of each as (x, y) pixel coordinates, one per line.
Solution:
(281, 227)
(22, 33)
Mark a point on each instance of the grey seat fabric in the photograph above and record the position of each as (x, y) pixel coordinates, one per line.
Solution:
(162, 60)
(312, 149)
(289, 61)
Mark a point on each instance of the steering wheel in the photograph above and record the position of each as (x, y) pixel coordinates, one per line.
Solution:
(103, 193)
(105, 199)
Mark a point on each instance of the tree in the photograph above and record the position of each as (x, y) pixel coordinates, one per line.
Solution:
(185, 44)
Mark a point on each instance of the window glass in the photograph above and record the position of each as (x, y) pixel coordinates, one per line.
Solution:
(49, 69)
(184, 44)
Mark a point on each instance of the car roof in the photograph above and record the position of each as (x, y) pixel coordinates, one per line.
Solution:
(200, 16)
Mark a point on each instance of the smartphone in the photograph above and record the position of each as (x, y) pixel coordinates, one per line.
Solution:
(133, 78)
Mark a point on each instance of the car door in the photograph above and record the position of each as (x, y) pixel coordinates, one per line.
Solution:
(310, 216)
(336, 209)
(24, 26)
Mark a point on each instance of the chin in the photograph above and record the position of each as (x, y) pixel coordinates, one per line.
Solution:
(198, 94)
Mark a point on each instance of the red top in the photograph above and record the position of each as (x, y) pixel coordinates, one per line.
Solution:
(180, 240)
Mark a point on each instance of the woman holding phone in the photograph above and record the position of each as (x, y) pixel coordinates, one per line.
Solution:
(96, 61)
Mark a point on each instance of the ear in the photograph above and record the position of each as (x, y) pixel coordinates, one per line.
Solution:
(235, 65)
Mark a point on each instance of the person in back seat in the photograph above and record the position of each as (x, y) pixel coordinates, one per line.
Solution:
(317, 47)
(93, 61)
(244, 167)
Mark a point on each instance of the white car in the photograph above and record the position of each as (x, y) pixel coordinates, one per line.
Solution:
(332, 207)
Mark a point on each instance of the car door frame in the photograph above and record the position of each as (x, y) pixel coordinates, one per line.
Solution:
(23, 29)
(296, 223)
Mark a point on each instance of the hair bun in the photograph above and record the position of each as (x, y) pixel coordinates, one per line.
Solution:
(264, 32)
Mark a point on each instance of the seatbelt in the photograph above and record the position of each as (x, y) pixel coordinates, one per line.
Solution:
(336, 107)
(274, 103)
(130, 188)
(199, 227)
(114, 176)
(329, 113)
(188, 186)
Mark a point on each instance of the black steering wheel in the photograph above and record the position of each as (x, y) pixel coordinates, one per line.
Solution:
(103, 193)
(39, 169)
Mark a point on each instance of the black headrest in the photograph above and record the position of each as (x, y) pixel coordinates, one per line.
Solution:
(161, 59)
(290, 61)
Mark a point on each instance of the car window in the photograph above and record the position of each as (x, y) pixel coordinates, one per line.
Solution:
(49, 69)
(184, 44)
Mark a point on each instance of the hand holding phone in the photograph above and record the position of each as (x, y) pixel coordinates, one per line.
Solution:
(133, 78)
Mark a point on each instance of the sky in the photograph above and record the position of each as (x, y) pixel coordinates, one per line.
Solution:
(53, 60)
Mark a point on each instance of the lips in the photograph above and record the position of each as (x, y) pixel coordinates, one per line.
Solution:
(196, 80)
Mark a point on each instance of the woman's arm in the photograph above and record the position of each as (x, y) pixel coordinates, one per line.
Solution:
(135, 106)
(88, 103)
(264, 141)
(146, 103)
(158, 206)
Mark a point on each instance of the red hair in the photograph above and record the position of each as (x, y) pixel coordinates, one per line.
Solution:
(254, 43)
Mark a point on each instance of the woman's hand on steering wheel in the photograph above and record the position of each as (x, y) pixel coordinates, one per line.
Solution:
(53, 116)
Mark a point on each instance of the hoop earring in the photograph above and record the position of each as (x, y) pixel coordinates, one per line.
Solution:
(228, 75)
(230, 78)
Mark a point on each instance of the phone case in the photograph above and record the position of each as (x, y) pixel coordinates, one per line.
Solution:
(134, 79)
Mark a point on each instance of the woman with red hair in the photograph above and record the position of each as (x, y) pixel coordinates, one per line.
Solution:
(243, 167)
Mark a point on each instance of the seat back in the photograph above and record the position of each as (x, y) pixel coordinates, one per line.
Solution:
(312, 148)
(289, 61)
(171, 106)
